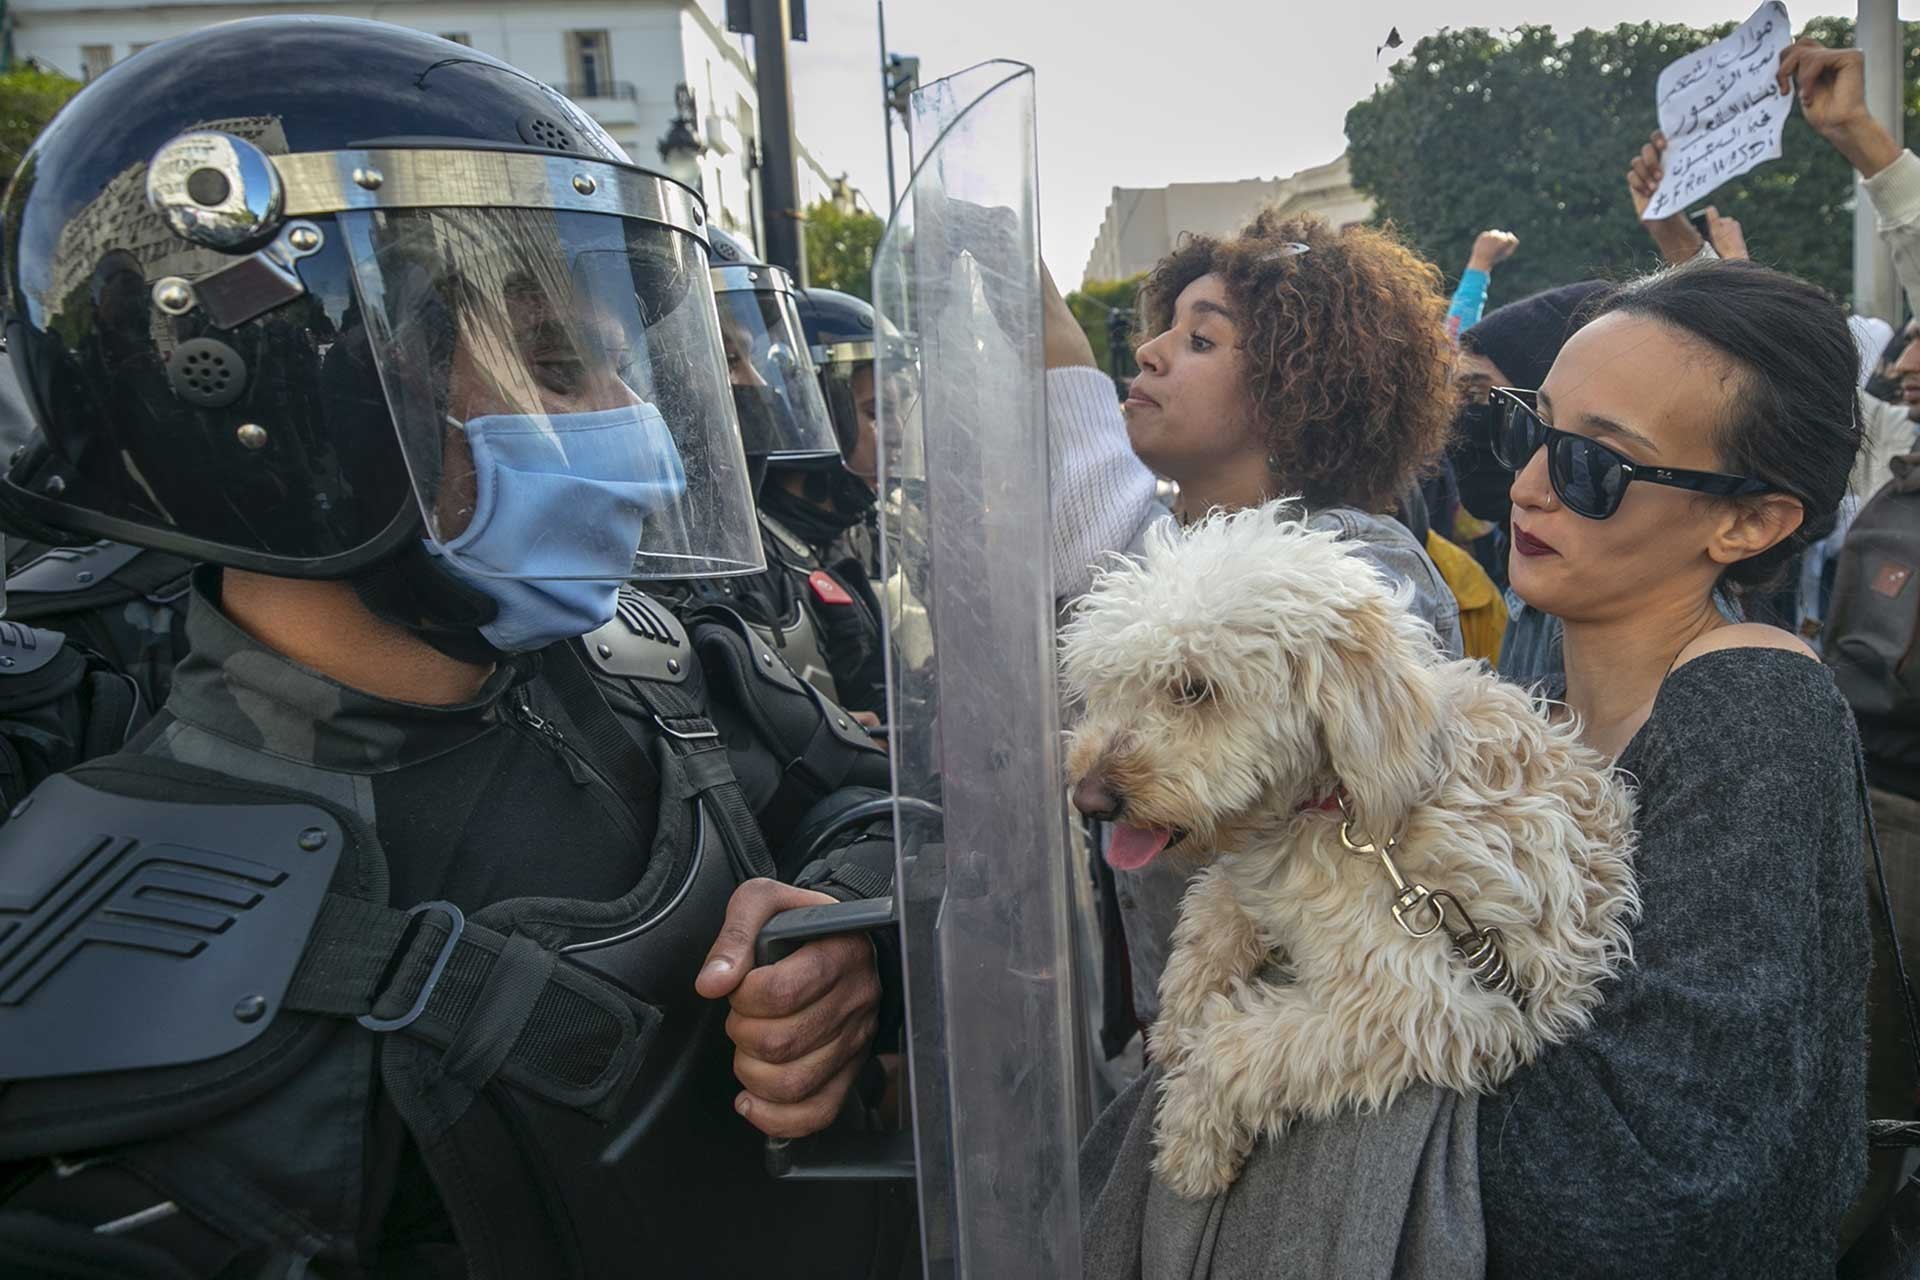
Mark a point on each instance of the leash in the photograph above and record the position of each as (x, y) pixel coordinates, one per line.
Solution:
(1422, 912)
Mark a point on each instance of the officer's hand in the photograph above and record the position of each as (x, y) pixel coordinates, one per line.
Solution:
(800, 1028)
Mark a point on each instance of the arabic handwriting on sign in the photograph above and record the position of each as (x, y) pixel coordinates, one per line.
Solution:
(1716, 107)
(1759, 39)
(1686, 81)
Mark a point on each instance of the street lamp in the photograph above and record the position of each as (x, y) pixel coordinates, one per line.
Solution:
(681, 149)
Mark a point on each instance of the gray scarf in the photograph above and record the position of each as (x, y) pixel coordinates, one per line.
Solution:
(1389, 1196)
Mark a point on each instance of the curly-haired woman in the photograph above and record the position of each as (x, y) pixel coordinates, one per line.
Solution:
(1288, 360)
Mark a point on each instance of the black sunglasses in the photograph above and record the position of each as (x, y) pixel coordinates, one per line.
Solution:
(1586, 475)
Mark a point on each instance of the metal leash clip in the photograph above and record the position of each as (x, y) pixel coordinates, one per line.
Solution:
(1478, 948)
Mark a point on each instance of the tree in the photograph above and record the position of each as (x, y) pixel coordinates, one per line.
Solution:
(840, 245)
(29, 97)
(1533, 134)
(1093, 306)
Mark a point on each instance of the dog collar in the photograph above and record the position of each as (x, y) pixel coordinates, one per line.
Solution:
(1332, 802)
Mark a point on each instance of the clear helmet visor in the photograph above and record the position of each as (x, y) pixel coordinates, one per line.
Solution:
(558, 385)
(783, 416)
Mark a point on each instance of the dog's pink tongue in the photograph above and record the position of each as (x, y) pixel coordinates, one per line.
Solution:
(1131, 848)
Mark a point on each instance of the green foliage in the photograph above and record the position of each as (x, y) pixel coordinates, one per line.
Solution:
(1092, 305)
(29, 98)
(840, 247)
(1533, 134)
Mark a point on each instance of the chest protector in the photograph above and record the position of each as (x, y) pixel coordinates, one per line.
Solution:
(823, 619)
(201, 980)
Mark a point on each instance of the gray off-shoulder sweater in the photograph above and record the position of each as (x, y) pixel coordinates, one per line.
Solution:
(1712, 1120)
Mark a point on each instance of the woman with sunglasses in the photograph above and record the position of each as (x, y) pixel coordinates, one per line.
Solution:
(1694, 435)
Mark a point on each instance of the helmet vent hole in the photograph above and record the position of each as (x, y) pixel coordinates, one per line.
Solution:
(207, 373)
(544, 131)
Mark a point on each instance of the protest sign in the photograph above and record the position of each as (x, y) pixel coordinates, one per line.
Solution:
(1722, 110)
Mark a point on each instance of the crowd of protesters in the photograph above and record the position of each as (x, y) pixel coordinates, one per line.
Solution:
(1484, 456)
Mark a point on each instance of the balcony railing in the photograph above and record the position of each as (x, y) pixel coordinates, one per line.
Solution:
(585, 90)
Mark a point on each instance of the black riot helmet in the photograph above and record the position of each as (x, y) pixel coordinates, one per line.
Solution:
(300, 295)
(783, 415)
(840, 335)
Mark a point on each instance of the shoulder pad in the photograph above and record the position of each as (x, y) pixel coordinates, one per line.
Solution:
(643, 642)
(178, 926)
(25, 649)
(769, 666)
(815, 712)
(63, 570)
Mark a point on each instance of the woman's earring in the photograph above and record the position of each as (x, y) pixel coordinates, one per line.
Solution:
(1273, 463)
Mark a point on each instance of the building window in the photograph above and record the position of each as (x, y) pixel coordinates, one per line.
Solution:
(95, 59)
(590, 60)
(137, 46)
(458, 37)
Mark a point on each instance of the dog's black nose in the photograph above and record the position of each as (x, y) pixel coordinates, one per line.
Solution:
(1092, 797)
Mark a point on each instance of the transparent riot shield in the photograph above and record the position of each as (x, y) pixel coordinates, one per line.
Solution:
(980, 805)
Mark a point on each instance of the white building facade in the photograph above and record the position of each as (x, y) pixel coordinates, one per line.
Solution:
(1144, 223)
(622, 62)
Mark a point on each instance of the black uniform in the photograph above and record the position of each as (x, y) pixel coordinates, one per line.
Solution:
(545, 1035)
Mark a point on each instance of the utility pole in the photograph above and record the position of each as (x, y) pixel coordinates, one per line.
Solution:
(886, 106)
(779, 170)
(1877, 33)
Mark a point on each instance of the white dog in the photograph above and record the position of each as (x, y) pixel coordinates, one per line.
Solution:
(1251, 690)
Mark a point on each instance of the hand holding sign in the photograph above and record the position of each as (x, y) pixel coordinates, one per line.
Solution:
(1833, 98)
(1721, 110)
(1674, 236)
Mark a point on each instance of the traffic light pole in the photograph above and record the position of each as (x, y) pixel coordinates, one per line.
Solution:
(779, 173)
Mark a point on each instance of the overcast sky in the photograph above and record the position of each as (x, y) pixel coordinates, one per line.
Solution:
(1135, 93)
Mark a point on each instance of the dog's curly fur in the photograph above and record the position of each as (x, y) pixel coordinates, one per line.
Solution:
(1249, 667)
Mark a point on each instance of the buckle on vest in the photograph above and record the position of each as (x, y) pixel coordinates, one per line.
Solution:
(407, 1019)
(694, 735)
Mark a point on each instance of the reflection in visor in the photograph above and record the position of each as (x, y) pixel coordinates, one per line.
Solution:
(575, 354)
(765, 349)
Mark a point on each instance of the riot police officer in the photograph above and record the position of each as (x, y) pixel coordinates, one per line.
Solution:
(818, 511)
(841, 337)
(416, 905)
(817, 610)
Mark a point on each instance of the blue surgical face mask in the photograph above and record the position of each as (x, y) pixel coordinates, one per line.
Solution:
(560, 503)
